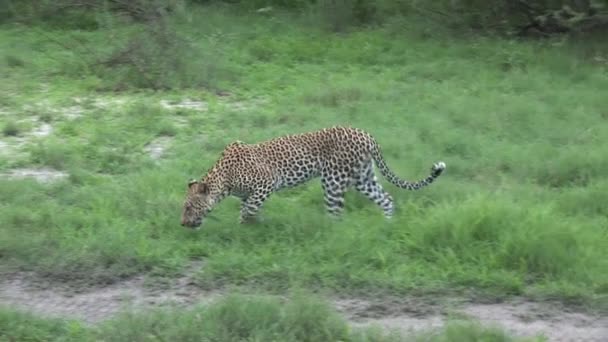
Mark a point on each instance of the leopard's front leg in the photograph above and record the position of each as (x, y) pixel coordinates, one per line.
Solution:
(251, 205)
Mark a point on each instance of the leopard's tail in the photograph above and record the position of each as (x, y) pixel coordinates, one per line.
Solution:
(436, 171)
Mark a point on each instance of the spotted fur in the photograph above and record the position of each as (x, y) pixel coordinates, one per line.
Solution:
(340, 156)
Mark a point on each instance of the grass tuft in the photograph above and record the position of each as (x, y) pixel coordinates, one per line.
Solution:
(11, 129)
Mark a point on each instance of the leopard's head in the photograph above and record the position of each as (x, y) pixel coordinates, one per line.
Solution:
(197, 205)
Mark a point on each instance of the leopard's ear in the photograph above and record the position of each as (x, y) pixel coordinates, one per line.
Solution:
(191, 182)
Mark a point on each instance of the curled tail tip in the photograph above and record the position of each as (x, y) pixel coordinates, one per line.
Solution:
(438, 168)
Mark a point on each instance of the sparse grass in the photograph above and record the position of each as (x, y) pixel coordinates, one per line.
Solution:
(234, 318)
(521, 125)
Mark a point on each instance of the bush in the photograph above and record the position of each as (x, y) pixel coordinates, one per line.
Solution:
(156, 56)
(152, 55)
(82, 14)
(519, 17)
(522, 17)
(338, 15)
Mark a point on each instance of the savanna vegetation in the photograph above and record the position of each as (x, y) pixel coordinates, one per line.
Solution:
(510, 94)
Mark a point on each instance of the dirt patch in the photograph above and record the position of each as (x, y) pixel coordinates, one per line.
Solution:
(44, 175)
(403, 315)
(31, 129)
(45, 107)
(101, 102)
(42, 131)
(203, 106)
(246, 105)
(156, 148)
(13, 143)
(109, 102)
(5, 148)
(553, 321)
(12, 148)
(94, 305)
(72, 112)
(185, 104)
(519, 317)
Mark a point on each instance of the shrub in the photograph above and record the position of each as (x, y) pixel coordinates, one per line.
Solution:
(157, 57)
(523, 17)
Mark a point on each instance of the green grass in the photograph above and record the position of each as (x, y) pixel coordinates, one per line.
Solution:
(234, 318)
(521, 125)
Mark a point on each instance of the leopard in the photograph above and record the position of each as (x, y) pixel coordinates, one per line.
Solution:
(340, 155)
